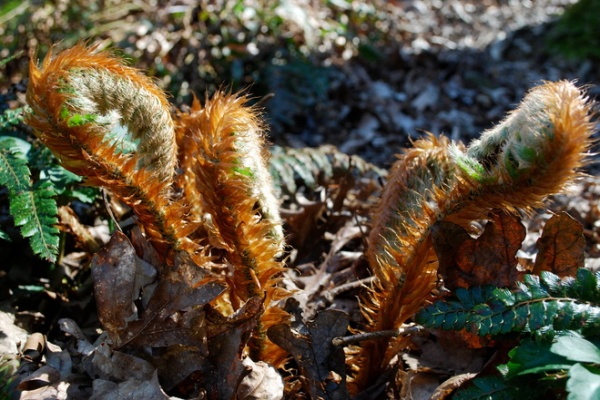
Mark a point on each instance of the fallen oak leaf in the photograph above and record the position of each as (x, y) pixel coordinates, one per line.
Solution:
(228, 337)
(114, 271)
(132, 388)
(116, 366)
(173, 315)
(561, 248)
(489, 259)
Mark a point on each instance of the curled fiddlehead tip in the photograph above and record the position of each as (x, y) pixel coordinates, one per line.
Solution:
(538, 148)
(110, 124)
(83, 96)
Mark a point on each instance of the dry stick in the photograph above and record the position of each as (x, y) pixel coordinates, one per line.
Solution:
(109, 210)
(390, 333)
(330, 294)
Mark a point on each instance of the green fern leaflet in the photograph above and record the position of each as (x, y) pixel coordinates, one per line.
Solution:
(544, 303)
(33, 207)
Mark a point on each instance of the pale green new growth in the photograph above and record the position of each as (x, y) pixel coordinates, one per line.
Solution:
(253, 165)
(112, 102)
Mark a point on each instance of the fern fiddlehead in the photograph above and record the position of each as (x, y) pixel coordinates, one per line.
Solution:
(227, 171)
(533, 153)
(81, 97)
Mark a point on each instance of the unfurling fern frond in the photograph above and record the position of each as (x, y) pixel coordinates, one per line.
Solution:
(535, 152)
(546, 303)
(33, 207)
(311, 167)
(225, 171)
(82, 101)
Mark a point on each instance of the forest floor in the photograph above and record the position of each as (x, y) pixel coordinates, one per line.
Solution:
(365, 78)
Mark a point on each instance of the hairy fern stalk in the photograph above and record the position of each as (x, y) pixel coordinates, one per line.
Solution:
(85, 104)
(535, 152)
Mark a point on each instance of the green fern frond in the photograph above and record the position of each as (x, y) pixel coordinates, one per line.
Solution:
(66, 184)
(14, 172)
(35, 212)
(567, 361)
(311, 167)
(538, 303)
(33, 207)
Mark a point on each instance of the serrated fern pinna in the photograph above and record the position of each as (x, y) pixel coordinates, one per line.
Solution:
(34, 184)
(537, 304)
(32, 205)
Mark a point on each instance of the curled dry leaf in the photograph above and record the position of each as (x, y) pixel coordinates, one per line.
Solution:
(34, 347)
(44, 377)
(561, 248)
(263, 382)
(488, 260)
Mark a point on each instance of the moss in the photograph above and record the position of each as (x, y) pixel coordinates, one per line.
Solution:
(576, 35)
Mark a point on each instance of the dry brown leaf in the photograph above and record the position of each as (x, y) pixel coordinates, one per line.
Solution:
(117, 366)
(228, 336)
(177, 363)
(488, 260)
(170, 313)
(561, 247)
(173, 315)
(320, 362)
(130, 389)
(43, 377)
(114, 270)
(445, 390)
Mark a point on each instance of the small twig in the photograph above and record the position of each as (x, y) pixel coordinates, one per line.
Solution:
(330, 294)
(405, 330)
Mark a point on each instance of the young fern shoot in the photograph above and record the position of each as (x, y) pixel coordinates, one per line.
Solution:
(535, 152)
(79, 99)
(226, 214)
(226, 171)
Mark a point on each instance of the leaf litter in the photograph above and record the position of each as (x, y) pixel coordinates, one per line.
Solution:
(326, 221)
